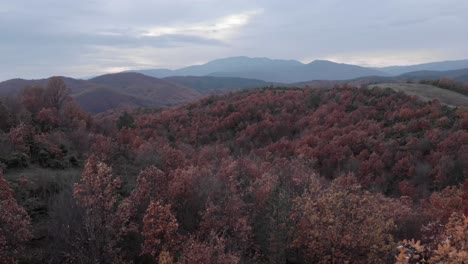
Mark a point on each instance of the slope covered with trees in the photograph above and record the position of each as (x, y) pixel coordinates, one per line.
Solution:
(277, 175)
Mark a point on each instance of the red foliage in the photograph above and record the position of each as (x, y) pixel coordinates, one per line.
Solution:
(97, 194)
(21, 137)
(211, 252)
(48, 117)
(32, 99)
(159, 229)
(237, 175)
(15, 224)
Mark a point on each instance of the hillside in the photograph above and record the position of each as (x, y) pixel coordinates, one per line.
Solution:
(231, 177)
(13, 86)
(159, 91)
(130, 89)
(207, 85)
(102, 99)
(112, 91)
(428, 93)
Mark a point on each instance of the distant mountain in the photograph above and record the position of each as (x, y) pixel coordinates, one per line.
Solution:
(458, 75)
(232, 64)
(432, 66)
(269, 70)
(327, 70)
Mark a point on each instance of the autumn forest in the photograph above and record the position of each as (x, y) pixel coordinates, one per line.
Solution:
(269, 175)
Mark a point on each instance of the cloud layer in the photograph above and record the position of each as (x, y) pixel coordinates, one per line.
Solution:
(89, 37)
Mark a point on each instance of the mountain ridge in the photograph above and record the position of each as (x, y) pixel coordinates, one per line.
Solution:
(292, 71)
(269, 70)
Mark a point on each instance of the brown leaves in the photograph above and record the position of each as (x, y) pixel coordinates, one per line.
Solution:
(97, 194)
(343, 223)
(455, 247)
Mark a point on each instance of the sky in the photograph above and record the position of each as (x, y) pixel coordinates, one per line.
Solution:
(90, 37)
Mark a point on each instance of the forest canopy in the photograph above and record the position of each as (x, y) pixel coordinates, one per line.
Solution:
(272, 175)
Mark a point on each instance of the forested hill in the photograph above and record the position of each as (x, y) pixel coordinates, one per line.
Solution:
(277, 175)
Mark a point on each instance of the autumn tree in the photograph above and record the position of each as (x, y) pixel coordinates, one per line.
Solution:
(213, 251)
(343, 223)
(452, 245)
(15, 224)
(32, 98)
(97, 194)
(454, 249)
(159, 230)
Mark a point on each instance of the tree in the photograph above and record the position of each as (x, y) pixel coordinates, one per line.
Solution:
(125, 121)
(32, 98)
(56, 93)
(159, 229)
(15, 224)
(21, 137)
(97, 194)
(6, 120)
(211, 252)
(454, 249)
(343, 223)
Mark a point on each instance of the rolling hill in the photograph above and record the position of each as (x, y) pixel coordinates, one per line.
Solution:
(207, 85)
(130, 90)
(159, 91)
(112, 91)
(102, 99)
(13, 86)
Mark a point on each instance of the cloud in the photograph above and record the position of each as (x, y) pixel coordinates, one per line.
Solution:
(221, 29)
(89, 37)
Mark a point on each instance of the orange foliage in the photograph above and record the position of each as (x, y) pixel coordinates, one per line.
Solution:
(343, 223)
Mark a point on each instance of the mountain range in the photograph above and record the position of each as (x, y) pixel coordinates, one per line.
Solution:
(292, 71)
(139, 89)
(283, 71)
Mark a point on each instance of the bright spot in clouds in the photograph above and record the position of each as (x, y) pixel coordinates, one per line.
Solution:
(222, 28)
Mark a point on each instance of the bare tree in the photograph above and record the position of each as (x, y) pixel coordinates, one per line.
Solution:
(56, 93)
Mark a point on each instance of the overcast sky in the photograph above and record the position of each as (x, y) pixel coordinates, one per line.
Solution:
(90, 37)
